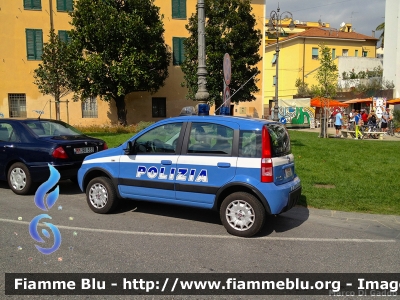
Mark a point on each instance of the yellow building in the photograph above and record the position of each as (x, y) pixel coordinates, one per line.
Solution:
(25, 27)
(298, 58)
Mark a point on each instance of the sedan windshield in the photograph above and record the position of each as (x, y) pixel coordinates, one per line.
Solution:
(44, 128)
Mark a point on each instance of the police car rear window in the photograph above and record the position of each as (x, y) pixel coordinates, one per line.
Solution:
(250, 141)
(280, 140)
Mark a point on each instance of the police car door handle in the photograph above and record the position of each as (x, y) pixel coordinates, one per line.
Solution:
(166, 162)
(223, 165)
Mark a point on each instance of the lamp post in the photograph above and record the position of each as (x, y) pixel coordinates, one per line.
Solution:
(275, 24)
(202, 93)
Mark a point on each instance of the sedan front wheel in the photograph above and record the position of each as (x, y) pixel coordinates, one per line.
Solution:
(101, 195)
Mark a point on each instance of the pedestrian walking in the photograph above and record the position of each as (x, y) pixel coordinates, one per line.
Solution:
(358, 123)
(338, 123)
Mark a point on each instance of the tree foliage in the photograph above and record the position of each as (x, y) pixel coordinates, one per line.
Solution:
(381, 27)
(230, 28)
(121, 49)
(327, 75)
(52, 75)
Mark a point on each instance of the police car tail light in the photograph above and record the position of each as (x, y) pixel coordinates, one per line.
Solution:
(105, 146)
(59, 153)
(266, 160)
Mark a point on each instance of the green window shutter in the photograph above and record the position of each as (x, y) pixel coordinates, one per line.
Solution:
(182, 9)
(61, 5)
(175, 8)
(30, 44)
(33, 4)
(178, 50)
(69, 5)
(182, 50)
(333, 53)
(176, 54)
(179, 9)
(64, 36)
(34, 44)
(37, 4)
(39, 43)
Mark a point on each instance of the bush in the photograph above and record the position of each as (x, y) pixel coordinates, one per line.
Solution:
(134, 128)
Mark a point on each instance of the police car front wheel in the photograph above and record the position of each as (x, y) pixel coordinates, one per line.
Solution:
(101, 195)
(242, 214)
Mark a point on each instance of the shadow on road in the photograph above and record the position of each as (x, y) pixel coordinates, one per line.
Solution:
(274, 223)
(67, 187)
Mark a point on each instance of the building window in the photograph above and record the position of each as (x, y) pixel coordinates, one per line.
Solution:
(64, 5)
(33, 4)
(34, 44)
(158, 107)
(365, 53)
(17, 105)
(273, 59)
(355, 53)
(64, 36)
(89, 108)
(179, 9)
(242, 110)
(274, 80)
(333, 53)
(345, 52)
(178, 50)
(314, 53)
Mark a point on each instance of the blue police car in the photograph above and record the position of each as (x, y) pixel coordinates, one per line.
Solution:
(241, 167)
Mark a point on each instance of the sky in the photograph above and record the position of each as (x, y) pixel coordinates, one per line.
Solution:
(365, 15)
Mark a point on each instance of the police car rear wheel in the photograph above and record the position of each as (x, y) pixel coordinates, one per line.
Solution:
(242, 214)
(101, 196)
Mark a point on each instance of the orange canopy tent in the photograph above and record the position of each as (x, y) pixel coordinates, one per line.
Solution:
(394, 101)
(324, 102)
(358, 100)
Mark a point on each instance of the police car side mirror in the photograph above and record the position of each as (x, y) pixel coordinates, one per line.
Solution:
(129, 148)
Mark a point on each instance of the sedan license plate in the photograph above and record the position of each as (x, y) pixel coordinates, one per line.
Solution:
(288, 172)
(84, 150)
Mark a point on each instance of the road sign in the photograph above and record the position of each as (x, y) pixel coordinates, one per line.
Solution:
(227, 96)
(227, 69)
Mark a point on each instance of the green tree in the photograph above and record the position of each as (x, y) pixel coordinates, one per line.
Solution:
(52, 75)
(122, 49)
(327, 78)
(381, 27)
(302, 88)
(327, 75)
(230, 28)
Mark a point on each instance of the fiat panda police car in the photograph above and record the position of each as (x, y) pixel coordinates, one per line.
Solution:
(241, 167)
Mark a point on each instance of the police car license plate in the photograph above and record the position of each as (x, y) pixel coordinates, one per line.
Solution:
(288, 172)
(83, 150)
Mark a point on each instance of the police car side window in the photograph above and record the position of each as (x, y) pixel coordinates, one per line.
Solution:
(209, 138)
(162, 139)
(250, 143)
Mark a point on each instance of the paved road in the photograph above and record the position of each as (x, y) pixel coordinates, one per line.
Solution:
(144, 237)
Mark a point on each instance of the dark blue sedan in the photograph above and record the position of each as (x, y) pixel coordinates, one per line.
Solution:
(27, 146)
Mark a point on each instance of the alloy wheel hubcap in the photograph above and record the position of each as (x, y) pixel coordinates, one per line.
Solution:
(98, 195)
(240, 215)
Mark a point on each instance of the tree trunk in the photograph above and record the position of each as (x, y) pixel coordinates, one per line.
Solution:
(121, 110)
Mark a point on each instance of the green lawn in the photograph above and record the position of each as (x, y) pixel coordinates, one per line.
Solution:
(339, 174)
(348, 175)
